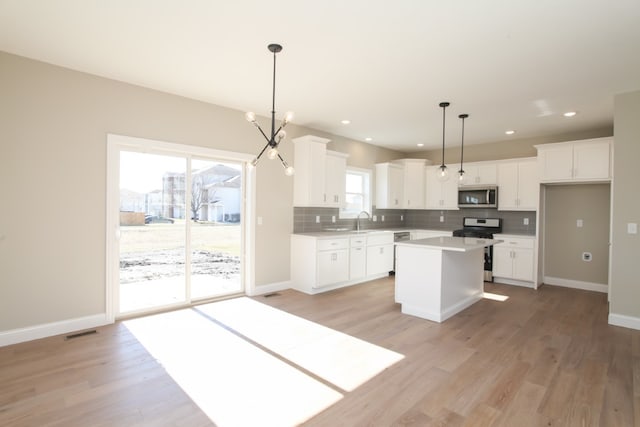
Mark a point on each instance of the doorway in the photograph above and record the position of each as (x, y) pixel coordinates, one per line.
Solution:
(180, 225)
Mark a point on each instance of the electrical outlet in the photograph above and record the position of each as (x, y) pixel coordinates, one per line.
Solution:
(632, 228)
(317, 219)
(525, 221)
(401, 217)
(579, 223)
(375, 218)
(259, 220)
(382, 218)
(586, 256)
(441, 218)
(333, 218)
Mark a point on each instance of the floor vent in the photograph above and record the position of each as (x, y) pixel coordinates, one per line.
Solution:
(272, 294)
(80, 334)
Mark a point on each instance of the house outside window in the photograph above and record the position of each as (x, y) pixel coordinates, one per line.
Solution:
(357, 192)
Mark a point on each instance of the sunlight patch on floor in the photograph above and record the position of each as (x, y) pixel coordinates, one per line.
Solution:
(495, 297)
(232, 381)
(338, 358)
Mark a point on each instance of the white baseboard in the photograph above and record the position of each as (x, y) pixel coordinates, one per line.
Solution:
(268, 288)
(513, 282)
(15, 336)
(576, 284)
(624, 321)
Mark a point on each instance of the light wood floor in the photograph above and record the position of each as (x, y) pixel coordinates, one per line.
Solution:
(540, 358)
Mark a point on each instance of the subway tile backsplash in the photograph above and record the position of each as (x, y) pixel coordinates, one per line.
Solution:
(304, 219)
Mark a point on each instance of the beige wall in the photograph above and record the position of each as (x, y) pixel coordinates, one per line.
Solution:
(53, 128)
(625, 265)
(565, 242)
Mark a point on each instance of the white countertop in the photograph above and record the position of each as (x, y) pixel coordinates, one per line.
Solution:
(365, 232)
(459, 244)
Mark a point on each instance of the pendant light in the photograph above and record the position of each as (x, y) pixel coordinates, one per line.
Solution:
(274, 138)
(461, 171)
(443, 173)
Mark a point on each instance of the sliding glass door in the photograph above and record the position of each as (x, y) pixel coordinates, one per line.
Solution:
(180, 230)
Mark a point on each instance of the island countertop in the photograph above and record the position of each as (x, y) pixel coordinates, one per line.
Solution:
(458, 244)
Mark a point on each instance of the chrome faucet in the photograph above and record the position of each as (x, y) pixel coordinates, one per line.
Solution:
(358, 219)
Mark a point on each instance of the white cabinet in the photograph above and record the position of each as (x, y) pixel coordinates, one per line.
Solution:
(513, 258)
(333, 261)
(440, 195)
(335, 179)
(480, 173)
(389, 186)
(518, 186)
(413, 181)
(320, 174)
(358, 257)
(379, 254)
(577, 161)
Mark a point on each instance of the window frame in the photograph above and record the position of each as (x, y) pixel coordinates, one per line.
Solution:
(367, 174)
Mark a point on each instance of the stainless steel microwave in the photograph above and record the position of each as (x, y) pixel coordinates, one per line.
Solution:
(478, 197)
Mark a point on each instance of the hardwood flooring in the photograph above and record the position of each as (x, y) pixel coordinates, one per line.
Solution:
(540, 358)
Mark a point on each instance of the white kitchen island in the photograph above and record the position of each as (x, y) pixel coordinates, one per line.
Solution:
(439, 277)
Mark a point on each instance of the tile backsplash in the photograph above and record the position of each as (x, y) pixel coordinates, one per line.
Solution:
(304, 219)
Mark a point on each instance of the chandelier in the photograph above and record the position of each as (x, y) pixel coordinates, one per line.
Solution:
(275, 136)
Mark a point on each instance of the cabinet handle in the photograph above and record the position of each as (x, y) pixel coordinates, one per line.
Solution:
(334, 256)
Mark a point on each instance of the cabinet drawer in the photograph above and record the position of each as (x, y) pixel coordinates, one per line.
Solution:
(358, 241)
(380, 239)
(330, 244)
(515, 242)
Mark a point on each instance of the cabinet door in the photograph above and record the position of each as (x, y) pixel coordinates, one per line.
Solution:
(522, 264)
(508, 186)
(433, 188)
(413, 184)
(528, 185)
(379, 259)
(357, 262)
(396, 183)
(591, 160)
(502, 261)
(333, 267)
(449, 193)
(556, 163)
(479, 174)
(335, 180)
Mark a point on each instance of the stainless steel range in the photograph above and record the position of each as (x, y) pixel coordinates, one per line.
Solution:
(482, 228)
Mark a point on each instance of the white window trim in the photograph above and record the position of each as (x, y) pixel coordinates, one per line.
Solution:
(343, 214)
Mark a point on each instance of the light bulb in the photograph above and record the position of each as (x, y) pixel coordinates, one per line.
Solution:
(250, 116)
(289, 171)
(443, 173)
(281, 135)
(288, 117)
(461, 175)
(272, 153)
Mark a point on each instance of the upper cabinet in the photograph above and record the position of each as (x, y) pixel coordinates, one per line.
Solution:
(441, 195)
(480, 173)
(389, 186)
(576, 161)
(518, 185)
(413, 183)
(320, 174)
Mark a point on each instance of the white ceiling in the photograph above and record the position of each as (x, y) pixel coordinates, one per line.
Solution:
(385, 65)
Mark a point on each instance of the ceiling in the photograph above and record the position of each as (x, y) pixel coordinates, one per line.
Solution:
(383, 65)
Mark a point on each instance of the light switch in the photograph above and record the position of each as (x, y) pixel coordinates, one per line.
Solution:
(632, 228)
(579, 223)
(525, 221)
(259, 220)
(317, 219)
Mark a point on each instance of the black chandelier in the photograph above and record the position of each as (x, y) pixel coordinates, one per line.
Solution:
(461, 171)
(443, 173)
(273, 140)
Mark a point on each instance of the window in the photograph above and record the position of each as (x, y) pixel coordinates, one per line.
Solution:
(357, 192)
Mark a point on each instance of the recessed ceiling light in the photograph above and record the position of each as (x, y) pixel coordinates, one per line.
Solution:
(368, 139)
(570, 113)
(345, 122)
(510, 132)
(420, 145)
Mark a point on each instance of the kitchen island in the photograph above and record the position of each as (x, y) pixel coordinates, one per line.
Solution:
(439, 277)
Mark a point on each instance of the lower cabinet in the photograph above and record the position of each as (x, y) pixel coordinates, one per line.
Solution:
(513, 258)
(319, 264)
